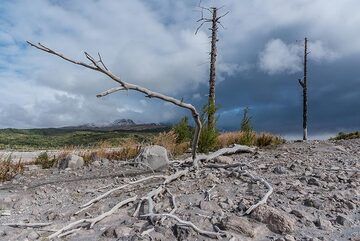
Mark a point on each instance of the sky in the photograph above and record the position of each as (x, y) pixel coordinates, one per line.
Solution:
(152, 43)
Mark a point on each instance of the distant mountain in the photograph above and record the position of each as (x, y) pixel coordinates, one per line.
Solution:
(123, 122)
(120, 124)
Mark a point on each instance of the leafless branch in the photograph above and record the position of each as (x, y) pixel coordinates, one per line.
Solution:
(148, 93)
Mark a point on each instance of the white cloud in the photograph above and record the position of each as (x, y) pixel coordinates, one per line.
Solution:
(279, 57)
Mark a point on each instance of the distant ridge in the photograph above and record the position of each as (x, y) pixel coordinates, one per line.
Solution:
(119, 124)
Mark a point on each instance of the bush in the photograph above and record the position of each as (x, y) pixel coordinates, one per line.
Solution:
(267, 139)
(44, 160)
(248, 139)
(246, 122)
(183, 131)
(207, 140)
(8, 169)
(346, 136)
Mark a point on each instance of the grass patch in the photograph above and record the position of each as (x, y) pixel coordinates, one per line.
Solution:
(8, 169)
(248, 138)
(45, 139)
(346, 136)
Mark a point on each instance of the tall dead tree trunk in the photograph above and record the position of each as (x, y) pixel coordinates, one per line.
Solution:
(303, 84)
(213, 55)
(215, 21)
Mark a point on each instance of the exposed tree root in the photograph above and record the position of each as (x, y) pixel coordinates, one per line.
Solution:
(92, 221)
(98, 198)
(264, 199)
(224, 151)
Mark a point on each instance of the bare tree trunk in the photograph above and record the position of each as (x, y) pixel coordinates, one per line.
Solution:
(213, 54)
(303, 84)
(98, 65)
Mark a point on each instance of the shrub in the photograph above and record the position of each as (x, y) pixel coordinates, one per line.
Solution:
(248, 138)
(183, 131)
(207, 140)
(267, 139)
(246, 122)
(8, 169)
(209, 134)
(346, 136)
(44, 160)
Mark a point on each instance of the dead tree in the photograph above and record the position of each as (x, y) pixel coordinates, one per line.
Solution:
(98, 65)
(303, 84)
(214, 20)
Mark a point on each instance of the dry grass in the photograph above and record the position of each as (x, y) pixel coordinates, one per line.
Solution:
(248, 138)
(8, 169)
(169, 141)
(128, 149)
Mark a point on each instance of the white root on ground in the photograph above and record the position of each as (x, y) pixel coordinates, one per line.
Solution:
(224, 151)
(264, 199)
(92, 221)
(187, 223)
(98, 198)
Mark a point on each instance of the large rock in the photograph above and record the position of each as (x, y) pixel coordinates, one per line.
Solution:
(71, 161)
(276, 220)
(243, 226)
(155, 157)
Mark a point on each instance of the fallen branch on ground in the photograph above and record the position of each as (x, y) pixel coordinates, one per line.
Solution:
(26, 225)
(92, 221)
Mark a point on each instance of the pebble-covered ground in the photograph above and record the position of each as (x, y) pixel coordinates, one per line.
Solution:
(316, 197)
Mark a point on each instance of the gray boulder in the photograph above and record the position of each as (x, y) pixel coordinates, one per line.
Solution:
(276, 220)
(154, 157)
(71, 161)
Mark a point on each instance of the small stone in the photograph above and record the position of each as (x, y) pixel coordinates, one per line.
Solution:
(289, 238)
(313, 181)
(96, 163)
(122, 231)
(33, 235)
(279, 170)
(224, 159)
(297, 213)
(312, 203)
(342, 220)
(323, 224)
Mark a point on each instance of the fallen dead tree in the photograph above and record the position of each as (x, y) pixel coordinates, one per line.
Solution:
(148, 198)
(99, 66)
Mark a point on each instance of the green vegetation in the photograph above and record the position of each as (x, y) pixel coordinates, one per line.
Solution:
(248, 136)
(59, 138)
(209, 134)
(346, 136)
(183, 130)
(44, 160)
